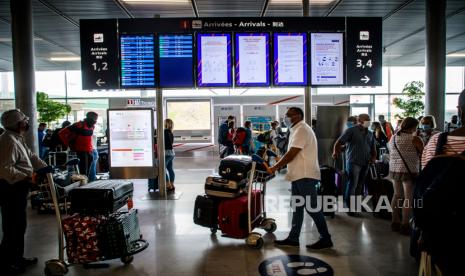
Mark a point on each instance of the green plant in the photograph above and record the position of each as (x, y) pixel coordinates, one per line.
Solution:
(50, 110)
(413, 105)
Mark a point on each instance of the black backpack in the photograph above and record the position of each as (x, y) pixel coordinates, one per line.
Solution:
(438, 194)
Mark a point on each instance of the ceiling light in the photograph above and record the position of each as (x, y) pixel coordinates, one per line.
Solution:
(312, 2)
(392, 55)
(8, 39)
(156, 1)
(456, 54)
(68, 58)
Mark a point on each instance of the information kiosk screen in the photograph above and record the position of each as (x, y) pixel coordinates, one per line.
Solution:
(131, 137)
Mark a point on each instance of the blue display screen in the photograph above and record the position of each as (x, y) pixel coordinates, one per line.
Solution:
(214, 60)
(137, 61)
(290, 59)
(252, 59)
(176, 61)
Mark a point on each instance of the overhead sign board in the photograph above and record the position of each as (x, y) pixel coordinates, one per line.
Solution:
(148, 53)
(99, 54)
(364, 51)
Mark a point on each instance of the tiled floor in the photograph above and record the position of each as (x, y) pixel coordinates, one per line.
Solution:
(363, 246)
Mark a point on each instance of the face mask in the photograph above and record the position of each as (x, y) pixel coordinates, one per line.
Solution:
(366, 124)
(349, 124)
(426, 127)
(287, 122)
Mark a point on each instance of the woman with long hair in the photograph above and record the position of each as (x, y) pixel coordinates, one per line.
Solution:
(169, 154)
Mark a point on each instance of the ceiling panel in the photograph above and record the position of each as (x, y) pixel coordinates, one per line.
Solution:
(403, 28)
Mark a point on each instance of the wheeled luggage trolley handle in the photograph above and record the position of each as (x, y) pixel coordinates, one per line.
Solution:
(258, 178)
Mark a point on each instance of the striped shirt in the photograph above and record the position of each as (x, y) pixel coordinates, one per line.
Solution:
(454, 145)
(360, 143)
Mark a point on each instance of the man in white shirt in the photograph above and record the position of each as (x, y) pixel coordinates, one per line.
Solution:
(17, 163)
(303, 171)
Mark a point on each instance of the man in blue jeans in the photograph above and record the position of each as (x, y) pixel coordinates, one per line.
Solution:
(303, 170)
(361, 151)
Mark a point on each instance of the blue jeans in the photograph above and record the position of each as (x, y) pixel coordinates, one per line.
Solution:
(307, 187)
(356, 181)
(169, 168)
(93, 166)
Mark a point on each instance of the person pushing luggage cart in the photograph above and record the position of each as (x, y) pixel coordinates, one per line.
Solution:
(303, 171)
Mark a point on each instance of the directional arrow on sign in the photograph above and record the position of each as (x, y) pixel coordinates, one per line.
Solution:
(365, 79)
(99, 82)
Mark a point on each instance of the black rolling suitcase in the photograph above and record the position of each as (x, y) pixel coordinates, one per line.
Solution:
(378, 187)
(118, 234)
(218, 186)
(328, 185)
(235, 167)
(101, 196)
(206, 211)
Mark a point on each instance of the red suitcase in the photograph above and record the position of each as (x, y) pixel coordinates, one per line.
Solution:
(233, 215)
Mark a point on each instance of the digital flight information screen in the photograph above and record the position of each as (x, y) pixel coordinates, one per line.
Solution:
(252, 59)
(176, 61)
(214, 60)
(327, 58)
(290, 59)
(137, 61)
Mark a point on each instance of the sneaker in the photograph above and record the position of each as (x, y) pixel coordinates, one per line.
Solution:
(321, 244)
(286, 242)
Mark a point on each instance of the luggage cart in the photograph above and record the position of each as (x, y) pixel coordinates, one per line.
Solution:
(59, 266)
(257, 182)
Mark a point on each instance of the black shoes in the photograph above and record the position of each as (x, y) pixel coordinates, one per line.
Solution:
(19, 267)
(28, 262)
(321, 244)
(286, 242)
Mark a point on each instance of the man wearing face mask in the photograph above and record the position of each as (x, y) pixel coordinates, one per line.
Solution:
(17, 163)
(360, 151)
(303, 171)
(79, 138)
(351, 121)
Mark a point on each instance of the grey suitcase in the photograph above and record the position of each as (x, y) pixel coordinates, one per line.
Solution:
(218, 186)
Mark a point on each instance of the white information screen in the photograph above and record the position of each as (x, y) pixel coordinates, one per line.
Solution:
(190, 115)
(214, 52)
(290, 59)
(327, 58)
(252, 59)
(131, 141)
